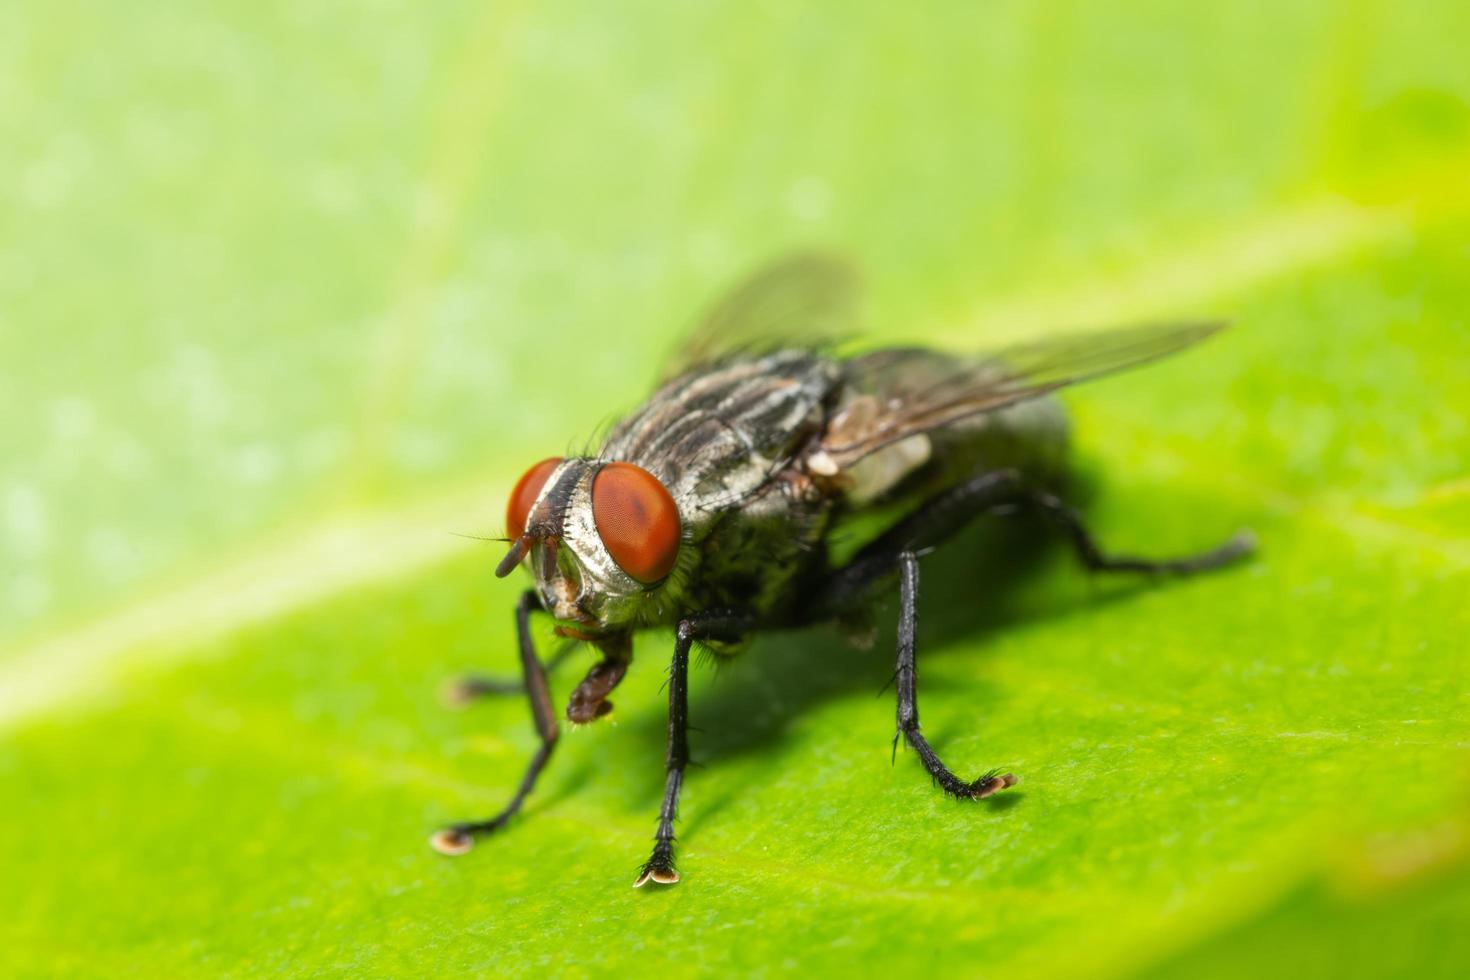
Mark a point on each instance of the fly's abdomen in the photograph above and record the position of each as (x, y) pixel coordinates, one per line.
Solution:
(913, 421)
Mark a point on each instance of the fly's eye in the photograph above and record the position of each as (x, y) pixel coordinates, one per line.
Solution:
(637, 521)
(523, 497)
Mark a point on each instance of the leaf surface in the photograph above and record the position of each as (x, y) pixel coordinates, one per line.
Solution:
(291, 294)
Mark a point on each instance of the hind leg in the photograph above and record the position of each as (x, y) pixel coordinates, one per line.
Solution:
(947, 513)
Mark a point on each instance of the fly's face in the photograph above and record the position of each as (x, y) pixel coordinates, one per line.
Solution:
(602, 538)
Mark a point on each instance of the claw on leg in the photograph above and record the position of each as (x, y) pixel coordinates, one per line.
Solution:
(990, 784)
(452, 841)
(659, 870)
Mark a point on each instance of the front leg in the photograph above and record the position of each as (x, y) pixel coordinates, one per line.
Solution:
(725, 625)
(460, 837)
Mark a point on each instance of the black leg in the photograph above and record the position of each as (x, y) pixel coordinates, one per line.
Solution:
(850, 588)
(949, 512)
(460, 691)
(459, 838)
(724, 625)
(908, 705)
(1239, 545)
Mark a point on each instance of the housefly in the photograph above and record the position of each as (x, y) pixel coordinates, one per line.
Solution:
(717, 506)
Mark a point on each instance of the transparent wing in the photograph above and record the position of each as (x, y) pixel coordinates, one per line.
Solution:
(809, 300)
(897, 393)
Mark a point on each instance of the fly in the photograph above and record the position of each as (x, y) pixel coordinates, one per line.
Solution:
(714, 508)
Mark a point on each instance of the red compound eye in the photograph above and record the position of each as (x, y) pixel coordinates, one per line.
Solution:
(637, 521)
(523, 497)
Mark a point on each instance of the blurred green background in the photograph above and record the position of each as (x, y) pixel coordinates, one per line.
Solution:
(291, 293)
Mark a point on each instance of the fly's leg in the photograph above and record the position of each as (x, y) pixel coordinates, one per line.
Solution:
(942, 516)
(946, 514)
(908, 704)
(1239, 545)
(471, 687)
(724, 625)
(459, 838)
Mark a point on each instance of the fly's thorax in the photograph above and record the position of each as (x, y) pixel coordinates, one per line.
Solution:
(592, 540)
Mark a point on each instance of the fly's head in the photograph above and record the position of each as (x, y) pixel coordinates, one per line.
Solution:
(603, 541)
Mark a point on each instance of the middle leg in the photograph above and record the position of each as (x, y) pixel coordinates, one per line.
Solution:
(461, 691)
(908, 705)
(848, 589)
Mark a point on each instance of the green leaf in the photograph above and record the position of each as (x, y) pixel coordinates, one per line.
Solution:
(290, 294)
